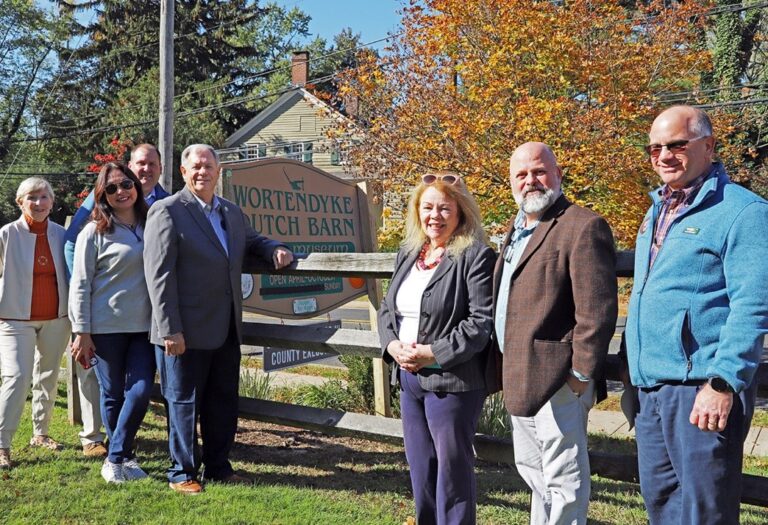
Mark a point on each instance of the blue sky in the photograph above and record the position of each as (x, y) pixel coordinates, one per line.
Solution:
(373, 19)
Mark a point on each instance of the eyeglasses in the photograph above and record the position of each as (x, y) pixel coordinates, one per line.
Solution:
(678, 146)
(126, 184)
(431, 178)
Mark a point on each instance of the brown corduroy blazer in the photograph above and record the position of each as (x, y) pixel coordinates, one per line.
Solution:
(562, 306)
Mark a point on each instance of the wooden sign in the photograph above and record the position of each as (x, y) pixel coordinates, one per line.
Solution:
(309, 210)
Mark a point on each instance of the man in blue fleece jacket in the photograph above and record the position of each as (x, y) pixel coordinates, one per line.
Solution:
(697, 317)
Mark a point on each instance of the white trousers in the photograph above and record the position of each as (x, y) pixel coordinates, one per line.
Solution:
(90, 408)
(30, 353)
(551, 456)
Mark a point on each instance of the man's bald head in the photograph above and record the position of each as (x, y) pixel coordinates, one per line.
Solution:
(534, 149)
(690, 127)
(535, 178)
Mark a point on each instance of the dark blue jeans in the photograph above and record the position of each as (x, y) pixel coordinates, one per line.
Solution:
(126, 373)
(439, 431)
(204, 384)
(688, 476)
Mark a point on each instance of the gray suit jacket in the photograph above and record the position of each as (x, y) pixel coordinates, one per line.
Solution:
(193, 285)
(455, 318)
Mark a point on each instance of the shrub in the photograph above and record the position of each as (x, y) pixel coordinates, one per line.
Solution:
(494, 419)
(254, 384)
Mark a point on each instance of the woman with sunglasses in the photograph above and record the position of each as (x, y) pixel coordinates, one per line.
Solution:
(110, 313)
(435, 323)
(34, 328)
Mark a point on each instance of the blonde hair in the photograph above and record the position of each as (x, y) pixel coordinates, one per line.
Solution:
(469, 230)
(31, 185)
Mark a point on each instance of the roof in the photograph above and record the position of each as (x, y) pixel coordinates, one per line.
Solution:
(277, 108)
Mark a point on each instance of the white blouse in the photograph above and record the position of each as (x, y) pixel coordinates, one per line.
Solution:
(408, 303)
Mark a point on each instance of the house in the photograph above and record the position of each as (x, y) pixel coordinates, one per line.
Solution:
(294, 126)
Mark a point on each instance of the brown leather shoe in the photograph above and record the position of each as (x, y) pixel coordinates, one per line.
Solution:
(189, 486)
(95, 450)
(234, 479)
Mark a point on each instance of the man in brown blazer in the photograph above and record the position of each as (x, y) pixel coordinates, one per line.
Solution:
(555, 308)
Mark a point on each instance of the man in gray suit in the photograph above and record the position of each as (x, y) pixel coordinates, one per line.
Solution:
(195, 242)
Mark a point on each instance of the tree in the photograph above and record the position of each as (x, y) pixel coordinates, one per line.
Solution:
(469, 80)
(27, 36)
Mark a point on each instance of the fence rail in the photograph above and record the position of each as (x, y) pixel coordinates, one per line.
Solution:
(621, 467)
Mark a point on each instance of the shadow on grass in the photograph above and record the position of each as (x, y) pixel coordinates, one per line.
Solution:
(276, 455)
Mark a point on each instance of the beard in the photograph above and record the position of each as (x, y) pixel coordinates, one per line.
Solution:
(532, 202)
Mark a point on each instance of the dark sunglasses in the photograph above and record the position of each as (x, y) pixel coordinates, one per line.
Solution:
(430, 178)
(126, 184)
(678, 146)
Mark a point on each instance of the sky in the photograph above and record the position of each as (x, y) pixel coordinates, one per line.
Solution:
(373, 19)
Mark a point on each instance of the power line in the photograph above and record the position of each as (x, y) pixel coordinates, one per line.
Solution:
(182, 114)
(42, 108)
(259, 74)
(732, 103)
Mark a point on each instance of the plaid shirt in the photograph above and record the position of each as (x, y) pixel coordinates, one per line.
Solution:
(674, 203)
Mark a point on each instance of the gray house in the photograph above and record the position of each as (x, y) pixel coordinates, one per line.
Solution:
(295, 126)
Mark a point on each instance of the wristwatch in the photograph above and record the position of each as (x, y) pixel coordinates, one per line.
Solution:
(719, 384)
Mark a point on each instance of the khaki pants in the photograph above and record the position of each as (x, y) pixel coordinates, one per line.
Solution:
(30, 353)
(90, 411)
(551, 456)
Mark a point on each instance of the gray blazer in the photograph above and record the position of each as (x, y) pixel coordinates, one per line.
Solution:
(455, 318)
(193, 285)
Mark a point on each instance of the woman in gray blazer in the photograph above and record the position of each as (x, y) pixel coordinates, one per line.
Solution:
(435, 323)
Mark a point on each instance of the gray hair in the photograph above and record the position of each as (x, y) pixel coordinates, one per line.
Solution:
(701, 126)
(31, 185)
(194, 147)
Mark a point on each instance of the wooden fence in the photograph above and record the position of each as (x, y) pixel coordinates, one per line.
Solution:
(342, 341)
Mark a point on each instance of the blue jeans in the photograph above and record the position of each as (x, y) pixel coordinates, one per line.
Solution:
(201, 384)
(688, 476)
(439, 433)
(126, 372)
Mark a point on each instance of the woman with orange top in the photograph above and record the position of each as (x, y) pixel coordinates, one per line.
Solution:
(34, 328)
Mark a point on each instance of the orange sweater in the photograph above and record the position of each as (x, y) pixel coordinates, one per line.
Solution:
(45, 292)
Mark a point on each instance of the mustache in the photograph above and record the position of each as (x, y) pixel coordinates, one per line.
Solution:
(532, 189)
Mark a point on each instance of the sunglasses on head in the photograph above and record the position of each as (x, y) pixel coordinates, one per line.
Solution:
(678, 146)
(126, 184)
(448, 178)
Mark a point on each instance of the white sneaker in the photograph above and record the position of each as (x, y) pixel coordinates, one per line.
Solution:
(132, 470)
(112, 472)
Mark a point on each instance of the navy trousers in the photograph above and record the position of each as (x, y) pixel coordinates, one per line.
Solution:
(439, 431)
(688, 476)
(201, 384)
(126, 371)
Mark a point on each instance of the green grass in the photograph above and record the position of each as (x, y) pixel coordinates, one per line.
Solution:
(315, 480)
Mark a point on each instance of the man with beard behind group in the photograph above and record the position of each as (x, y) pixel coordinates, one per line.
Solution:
(555, 307)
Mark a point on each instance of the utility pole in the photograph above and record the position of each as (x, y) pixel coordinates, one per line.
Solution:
(165, 131)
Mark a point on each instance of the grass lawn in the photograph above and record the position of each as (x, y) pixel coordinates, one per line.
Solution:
(301, 477)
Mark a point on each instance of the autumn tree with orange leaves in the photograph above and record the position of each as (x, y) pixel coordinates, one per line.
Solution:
(469, 80)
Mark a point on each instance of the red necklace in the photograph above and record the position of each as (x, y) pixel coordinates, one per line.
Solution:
(421, 265)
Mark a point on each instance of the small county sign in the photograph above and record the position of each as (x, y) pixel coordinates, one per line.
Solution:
(310, 211)
(279, 358)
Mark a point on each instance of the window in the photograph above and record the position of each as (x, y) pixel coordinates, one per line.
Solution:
(255, 151)
(299, 151)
